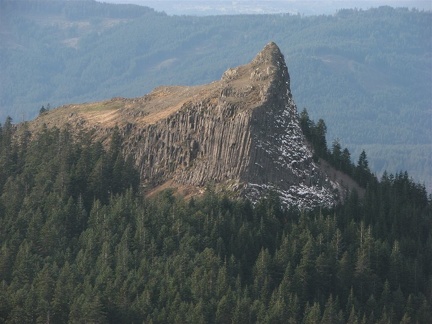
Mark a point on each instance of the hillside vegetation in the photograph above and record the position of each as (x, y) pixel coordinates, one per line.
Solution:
(367, 73)
(80, 244)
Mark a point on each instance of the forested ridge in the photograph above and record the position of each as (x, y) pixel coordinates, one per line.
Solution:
(80, 243)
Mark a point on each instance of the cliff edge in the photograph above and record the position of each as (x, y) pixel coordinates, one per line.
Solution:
(240, 133)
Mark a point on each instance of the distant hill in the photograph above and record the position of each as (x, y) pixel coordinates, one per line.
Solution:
(226, 7)
(367, 73)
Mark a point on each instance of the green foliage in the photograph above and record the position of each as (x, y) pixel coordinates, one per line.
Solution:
(73, 250)
(315, 134)
(340, 159)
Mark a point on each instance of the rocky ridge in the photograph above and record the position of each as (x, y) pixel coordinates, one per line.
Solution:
(240, 133)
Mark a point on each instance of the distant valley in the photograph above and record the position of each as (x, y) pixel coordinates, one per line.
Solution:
(226, 7)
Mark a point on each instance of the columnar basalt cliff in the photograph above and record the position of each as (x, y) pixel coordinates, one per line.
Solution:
(240, 133)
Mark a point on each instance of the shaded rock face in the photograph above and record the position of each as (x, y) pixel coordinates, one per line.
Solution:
(241, 132)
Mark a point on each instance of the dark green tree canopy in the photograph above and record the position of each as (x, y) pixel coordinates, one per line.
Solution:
(79, 243)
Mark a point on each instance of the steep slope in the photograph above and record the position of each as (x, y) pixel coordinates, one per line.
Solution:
(240, 133)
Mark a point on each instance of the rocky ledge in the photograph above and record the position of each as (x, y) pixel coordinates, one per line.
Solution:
(240, 133)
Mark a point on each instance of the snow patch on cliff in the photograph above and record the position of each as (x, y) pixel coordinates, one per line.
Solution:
(301, 196)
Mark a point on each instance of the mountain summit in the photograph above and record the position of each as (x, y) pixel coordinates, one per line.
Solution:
(240, 133)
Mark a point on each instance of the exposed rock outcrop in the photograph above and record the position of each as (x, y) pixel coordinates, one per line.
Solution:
(241, 133)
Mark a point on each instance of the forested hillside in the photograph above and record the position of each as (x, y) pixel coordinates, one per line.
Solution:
(79, 243)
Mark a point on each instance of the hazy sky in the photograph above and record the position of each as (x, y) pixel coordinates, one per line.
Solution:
(308, 7)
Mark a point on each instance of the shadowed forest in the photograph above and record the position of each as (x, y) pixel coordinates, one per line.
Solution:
(80, 243)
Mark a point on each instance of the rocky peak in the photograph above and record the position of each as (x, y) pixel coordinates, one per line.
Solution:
(272, 59)
(240, 133)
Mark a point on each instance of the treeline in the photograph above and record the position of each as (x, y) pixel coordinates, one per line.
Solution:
(76, 10)
(80, 244)
(339, 158)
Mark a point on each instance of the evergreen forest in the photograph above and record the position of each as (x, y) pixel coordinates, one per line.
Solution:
(80, 243)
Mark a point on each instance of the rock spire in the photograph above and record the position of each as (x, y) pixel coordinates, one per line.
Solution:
(240, 133)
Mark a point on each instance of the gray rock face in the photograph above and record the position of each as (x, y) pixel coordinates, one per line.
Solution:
(241, 132)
